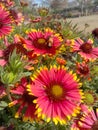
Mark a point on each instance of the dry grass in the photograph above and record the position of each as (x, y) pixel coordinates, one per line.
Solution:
(91, 21)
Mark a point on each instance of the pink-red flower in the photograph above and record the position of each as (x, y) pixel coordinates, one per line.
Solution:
(26, 107)
(90, 120)
(5, 21)
(46, 42)
(58, 94)
(87, 120)
(85, 49)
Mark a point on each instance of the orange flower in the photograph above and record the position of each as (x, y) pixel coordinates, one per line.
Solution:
(60, 61)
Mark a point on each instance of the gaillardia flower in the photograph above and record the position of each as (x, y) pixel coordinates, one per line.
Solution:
(24, 101)
(58, 94)
(46, 42)
(75, 124)
(16, 16)
(91, 97)
(8, 3)
(88, 120)
(10, 47)
(5, 21)
(82, 69)
(85, 49)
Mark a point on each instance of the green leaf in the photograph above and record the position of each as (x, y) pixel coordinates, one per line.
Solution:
(3, 104)
(1, 108)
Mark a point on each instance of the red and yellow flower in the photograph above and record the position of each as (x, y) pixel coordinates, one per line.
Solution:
(88, 120)
(16, 16)
(85, 49)
(8, 3)
(46, 42)
(24, 101)
(58, 94)
(82, 69)
(5, 21)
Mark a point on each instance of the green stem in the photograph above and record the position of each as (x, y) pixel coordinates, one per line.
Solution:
(8, 92)
(13, 109)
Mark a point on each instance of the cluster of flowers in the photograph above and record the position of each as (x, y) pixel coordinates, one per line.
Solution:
(55, 89)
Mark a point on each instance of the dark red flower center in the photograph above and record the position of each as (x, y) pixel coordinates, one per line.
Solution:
(19, 49)
(86, 47)
(84, 70)
(43, 43)
(95, 126)
(28, 98)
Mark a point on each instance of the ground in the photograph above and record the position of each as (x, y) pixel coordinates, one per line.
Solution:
(90, 21)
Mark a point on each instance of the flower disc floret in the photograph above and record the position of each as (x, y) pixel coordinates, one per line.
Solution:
(86, 48)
